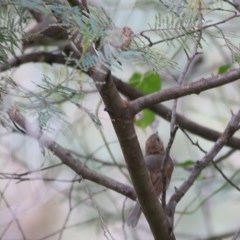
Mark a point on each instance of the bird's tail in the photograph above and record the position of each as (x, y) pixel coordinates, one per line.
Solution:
(133, 218)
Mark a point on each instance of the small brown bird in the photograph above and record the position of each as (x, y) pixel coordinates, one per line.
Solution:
(154, 159)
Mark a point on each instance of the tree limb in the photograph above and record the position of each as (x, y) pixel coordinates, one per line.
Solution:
(230, 129)
(182, 121)
(69, 159)
(122, 119)
(42, 57)
(129, 92)
(184, 90)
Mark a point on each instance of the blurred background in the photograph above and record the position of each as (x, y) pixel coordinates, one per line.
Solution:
(50, 201)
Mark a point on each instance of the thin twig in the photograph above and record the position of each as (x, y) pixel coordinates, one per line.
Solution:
(231, 128)
(236, 236)
(182, 121)
(68, 159)
(224, 176)
(193, 143)
(170, 142)
(15, 219)
(224, 156)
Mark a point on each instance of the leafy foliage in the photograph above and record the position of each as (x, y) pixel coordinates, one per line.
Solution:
(224, 68)
(11, 19)
(179, 27)
(148, 82)
(186, 163)
(176, 28)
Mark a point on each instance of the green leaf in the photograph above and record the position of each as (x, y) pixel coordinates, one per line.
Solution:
(135, 79)
(147, 119)
(148, 82)
(187, 163)
(224, 68)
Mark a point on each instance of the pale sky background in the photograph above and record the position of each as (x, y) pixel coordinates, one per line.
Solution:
(42, 206)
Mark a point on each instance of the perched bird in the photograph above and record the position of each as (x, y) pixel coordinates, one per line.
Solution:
(154, 159)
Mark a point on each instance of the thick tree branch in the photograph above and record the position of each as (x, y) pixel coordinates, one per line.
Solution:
(82, 4)
(184, 90)
(231, 128)
(182, 121)
(122, 113)
(122, 120)
(129, 92)
(43, 57)
(69, 159)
